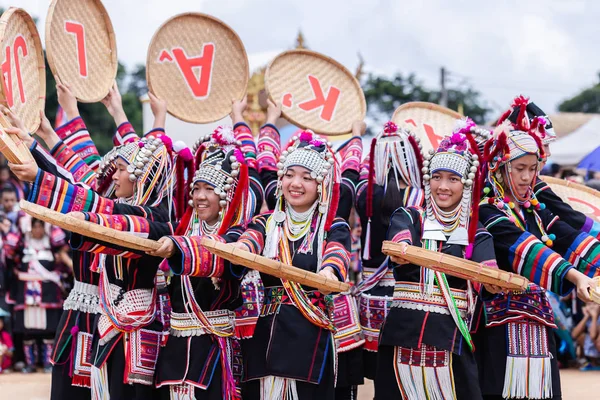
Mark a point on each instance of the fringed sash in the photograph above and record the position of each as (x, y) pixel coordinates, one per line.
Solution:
(528, 370)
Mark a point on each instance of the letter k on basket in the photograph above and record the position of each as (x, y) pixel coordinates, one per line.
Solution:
(328, 103)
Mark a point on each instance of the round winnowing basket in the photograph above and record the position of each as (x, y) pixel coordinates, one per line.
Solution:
(315, 92)
(429, 121)
(582, 198)
(81, 47)
(23, 88)
(198, 88)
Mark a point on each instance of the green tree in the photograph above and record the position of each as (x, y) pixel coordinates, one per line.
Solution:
(588, 101)
(384, 95)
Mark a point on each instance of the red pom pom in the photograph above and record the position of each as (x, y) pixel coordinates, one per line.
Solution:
(168, 142)
(390, 127)
(306, 136)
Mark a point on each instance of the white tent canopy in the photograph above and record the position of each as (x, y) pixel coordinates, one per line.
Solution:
(571, 149)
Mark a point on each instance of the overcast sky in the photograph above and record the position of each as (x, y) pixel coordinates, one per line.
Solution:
(542, 48)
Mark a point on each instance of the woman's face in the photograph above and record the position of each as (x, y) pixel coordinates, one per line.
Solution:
(123, 186)
(446, 189)
(206, 202)
(37, 230)
(299, 188)
(523, 171)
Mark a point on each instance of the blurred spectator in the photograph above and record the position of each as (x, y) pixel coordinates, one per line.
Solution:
(6, 348)
(594, 184)
(585, 334)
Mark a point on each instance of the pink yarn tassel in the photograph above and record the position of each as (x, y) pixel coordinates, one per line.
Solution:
(469, 251)
(367, 249)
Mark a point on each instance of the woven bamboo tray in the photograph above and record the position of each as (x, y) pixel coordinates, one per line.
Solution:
(17, 27)
(288, 83)
(91, 72)
(595, 290)
(582, 198)
(88, 229)
(273, 267)
(184, 36)
(429, 121)
(457, 267)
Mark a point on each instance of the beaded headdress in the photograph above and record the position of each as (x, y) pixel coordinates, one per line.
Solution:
(315, 154)
(506, 146)
(150, 166)
(221, 164)
(396, 151)
(458, 154)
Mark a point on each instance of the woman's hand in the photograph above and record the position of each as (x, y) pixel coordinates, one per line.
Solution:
(26, 171)
(237, 110)
(359, 128)
(46, 132)
(583, 283)
(77, 215)
(494, 289)
(67, 100)
(166, 249)
(398, 259)
(114, 104)
(273, 112)
(159, 110)
(12, 118)
(328, 273)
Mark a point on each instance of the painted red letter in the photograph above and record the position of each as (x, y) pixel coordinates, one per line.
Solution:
(328, 103)
(78, 30)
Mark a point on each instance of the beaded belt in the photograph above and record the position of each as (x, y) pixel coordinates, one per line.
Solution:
(386, 280)
(83, 297)
(276, 295)
(408, 295)
(187, 324)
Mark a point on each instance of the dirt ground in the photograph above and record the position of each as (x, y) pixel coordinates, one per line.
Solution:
(576, 386)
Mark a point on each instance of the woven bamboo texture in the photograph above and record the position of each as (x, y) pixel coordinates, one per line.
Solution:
(13, 23)
(595, 290)
(100, 48)
(273, 267)
(13, 148)
(419, 116)
(287, 83)
(229, 80)
(88, 229)
(582, 198)
(457, 267)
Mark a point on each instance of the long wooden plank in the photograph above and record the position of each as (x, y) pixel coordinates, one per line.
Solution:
(273, 267)
(458, 267)
(88, 229)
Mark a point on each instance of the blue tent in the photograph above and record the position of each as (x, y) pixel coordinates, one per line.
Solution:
(591, 161)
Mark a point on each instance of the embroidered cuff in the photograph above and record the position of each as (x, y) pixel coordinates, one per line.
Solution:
(70, 127)
(193, 259)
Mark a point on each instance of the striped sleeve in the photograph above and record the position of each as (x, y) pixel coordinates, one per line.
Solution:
(244, 135)
(73, 163)
(59, 195)
(538, 263)
(76, 136)
(125, 134)
(336, 253)
(193, 259)
(584, 254)
(269, 148)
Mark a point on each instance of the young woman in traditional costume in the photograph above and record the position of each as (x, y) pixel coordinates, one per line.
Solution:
(201, 360)
(390, 178)
(425, 348)
(516, 350)
(521, 111)
(140, 173)
(39, 290)
(291, 354)
(74, 158)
